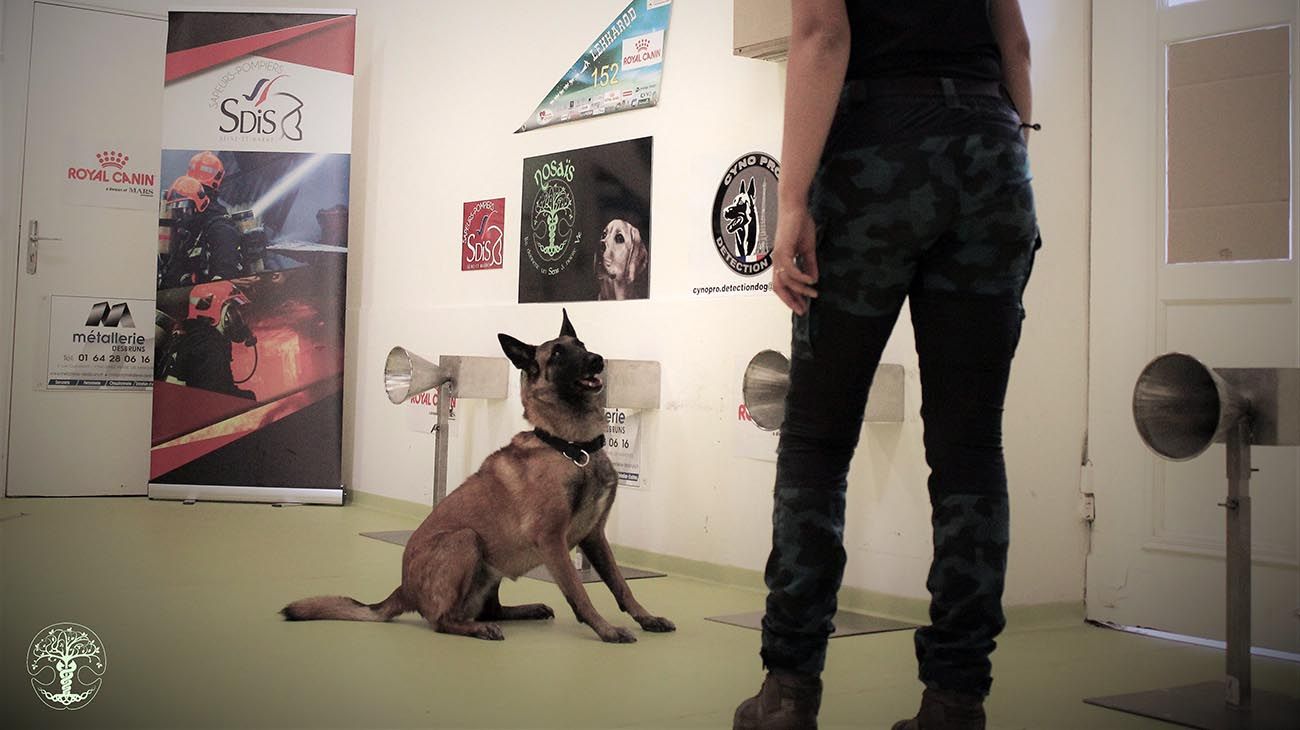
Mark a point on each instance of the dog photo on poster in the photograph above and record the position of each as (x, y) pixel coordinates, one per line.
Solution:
(585, 227)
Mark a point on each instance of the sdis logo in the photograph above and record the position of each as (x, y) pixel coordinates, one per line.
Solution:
(483, 235)
(263, 112)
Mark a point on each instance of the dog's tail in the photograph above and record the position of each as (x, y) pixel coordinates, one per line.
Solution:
(343, 608)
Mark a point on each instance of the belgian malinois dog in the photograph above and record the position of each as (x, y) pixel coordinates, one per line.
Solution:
(529, 504)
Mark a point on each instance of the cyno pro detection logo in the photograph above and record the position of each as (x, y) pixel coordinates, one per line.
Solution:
(744, 213)
(66, 663)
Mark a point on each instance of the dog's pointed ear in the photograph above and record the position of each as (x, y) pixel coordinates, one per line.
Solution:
(566, 327)
(522, 356)
(750, 187)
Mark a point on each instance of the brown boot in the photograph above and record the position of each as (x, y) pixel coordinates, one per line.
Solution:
(786, 701)
(944, 710)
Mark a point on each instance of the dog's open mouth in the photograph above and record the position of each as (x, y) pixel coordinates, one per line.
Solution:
(733, 224)
(591, 382)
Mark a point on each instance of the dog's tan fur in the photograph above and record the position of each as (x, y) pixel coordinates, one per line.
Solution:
(622, 262)
(527, 505)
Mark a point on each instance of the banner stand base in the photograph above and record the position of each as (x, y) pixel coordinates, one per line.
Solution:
(269, 495)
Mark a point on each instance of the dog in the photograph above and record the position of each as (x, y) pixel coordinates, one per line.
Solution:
(529, 504)
(621, 262)
(742, 220)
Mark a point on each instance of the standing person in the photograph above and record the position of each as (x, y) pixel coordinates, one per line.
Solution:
(905, 175)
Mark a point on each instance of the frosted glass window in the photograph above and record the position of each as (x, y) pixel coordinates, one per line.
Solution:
(1229, 152)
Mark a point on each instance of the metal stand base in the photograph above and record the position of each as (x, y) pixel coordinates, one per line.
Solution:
(397, 537)
(846, 623)
(1202, 706)
(589, 575)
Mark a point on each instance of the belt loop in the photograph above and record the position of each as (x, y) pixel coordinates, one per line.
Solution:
(949, 93)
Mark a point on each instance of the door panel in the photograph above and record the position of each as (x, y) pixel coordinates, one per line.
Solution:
(1158, 539)
(92, 151)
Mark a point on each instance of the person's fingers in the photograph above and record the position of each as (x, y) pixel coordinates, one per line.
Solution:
(793, 274)
(808, 263)
(794, 265)
(793, 294)
(795, 303)
(802, 290)
(807, 258)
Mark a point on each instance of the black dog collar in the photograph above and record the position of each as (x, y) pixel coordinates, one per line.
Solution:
(578, 453)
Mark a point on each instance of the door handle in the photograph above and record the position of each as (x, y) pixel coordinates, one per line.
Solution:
(34, 239)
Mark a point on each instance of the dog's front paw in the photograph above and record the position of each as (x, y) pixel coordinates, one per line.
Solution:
(491, 632)
(617, 635)
(657, 624)
(539, 611)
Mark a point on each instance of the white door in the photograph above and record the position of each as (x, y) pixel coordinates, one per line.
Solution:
(90, 166)
(1157, 550)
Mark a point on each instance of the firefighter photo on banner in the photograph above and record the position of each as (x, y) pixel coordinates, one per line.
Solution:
(252, 250)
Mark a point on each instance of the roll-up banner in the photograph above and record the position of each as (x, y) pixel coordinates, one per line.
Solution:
(252, 257)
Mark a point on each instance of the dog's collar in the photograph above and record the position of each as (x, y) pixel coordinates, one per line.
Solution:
(578, 453)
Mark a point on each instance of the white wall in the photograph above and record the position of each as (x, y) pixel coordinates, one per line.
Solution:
(439, 90)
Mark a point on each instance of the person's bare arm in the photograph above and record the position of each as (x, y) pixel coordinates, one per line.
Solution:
(1013, 43)
(819, 56)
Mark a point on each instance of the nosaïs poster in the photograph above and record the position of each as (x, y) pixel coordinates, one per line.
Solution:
(252, 256)
(585, 225)
(620, 71)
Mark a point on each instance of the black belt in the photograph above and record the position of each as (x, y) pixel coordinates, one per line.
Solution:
(930, 86)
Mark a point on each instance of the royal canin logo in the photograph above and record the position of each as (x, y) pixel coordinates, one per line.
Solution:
(112, 169)
(112, 158)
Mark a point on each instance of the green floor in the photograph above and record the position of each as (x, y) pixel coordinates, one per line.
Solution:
(185, 600)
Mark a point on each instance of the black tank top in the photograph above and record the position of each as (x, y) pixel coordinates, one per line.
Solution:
(922, 38)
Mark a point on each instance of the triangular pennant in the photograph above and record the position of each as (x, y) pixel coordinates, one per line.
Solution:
(620, 70)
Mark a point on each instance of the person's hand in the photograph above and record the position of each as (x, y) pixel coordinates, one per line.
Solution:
(794, 259)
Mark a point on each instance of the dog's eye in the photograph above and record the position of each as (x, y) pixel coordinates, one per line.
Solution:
(618, 238)
(555, 352)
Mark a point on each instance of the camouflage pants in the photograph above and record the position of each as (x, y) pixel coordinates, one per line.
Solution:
(945, 221)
